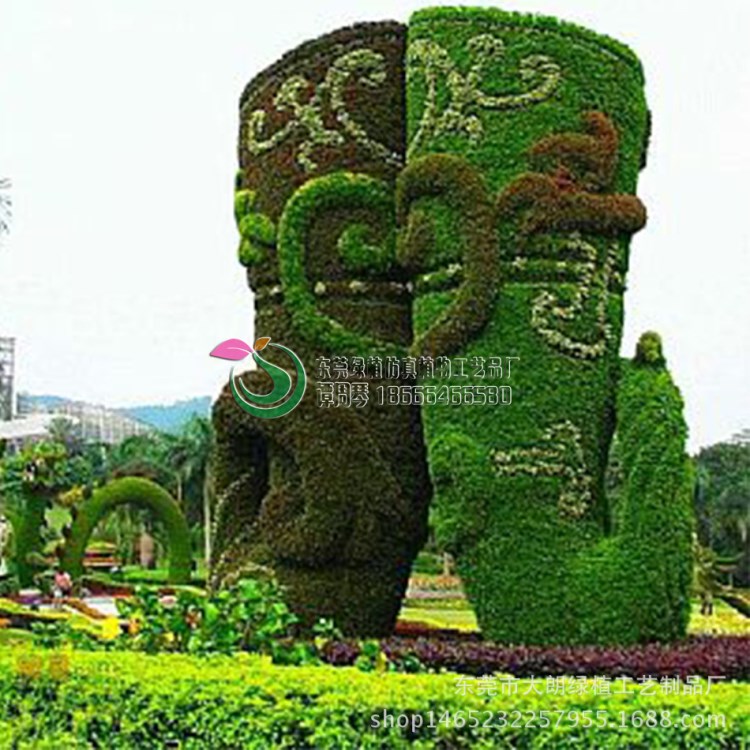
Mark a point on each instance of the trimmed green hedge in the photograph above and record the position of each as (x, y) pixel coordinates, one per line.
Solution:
(56, 700)
(341, 192)
(553, 120)
(129, 491)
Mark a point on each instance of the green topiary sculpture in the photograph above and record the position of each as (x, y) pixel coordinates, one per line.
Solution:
(483, 212)
(333, 501)
(33, 476)
(131, 491)
(525, 138)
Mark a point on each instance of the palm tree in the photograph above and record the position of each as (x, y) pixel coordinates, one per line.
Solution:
(68, 433)
(734, 516)
(702, 504)
(705, 576)
(189, 457)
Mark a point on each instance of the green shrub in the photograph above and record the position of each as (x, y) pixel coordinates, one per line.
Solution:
(122, 700)
(250, 616)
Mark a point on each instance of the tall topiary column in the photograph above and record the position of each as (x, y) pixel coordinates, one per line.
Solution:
(525, 137)
(29, 546)
(333, 501)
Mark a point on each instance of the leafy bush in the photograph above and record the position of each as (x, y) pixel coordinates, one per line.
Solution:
(50, 699)
(250, 616)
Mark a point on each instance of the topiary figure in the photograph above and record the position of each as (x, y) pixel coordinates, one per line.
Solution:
(333, 501)
(31, 479)
(141, 493)
(525, 138)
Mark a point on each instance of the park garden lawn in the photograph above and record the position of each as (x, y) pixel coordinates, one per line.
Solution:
(63, 698)
(725, 620)
(462, 619)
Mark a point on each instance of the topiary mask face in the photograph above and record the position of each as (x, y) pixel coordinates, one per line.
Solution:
(549, 120)
(332, 500)
(523, 138)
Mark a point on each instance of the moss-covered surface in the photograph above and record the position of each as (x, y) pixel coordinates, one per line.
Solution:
(553, 120)
(508, 236)
(28, 555)
(332, 501)
(129, 491)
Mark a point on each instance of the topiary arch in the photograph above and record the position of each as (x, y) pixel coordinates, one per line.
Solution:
(142, 493)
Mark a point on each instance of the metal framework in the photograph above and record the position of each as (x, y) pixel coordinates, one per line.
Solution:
(7, 370)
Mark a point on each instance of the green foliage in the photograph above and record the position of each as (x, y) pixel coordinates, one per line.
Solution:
(449, 615)
(145, 456)
(250, 616)
(66, 471)
(705, 573)
(257, 231)
(649, 350)
(38, 468)
(139, 492)
(178, 462)
(123, 700)
(552, 119)
(458, 187)
(724, 620)
(649, 563)
(29, 480)
(47, 635)
(66, 433)
(323, 195)
(722, 503)
(28, 560)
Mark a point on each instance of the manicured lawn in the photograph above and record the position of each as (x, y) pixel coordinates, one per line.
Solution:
(725, 620)
(457, 614)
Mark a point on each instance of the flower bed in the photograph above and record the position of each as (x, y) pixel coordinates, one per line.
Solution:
(718, 656)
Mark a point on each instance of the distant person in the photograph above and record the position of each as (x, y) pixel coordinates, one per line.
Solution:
(63, 585)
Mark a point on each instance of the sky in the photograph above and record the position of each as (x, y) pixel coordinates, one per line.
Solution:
(118, 125)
